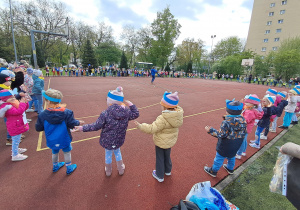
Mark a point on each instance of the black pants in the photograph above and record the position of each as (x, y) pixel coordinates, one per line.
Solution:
(163, 161)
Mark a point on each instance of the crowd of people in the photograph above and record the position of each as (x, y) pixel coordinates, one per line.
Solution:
(22, 87)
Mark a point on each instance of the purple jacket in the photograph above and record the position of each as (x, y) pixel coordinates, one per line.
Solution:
(114, 122)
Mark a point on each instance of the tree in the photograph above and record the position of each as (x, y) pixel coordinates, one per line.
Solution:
(189, 68)
(88, 57)
(145, 44)
(165, 30)
(261, 66)
(231, 65)
(108, 52)
(227, 47)
(123, 63)
(104, 33)
(130, 36)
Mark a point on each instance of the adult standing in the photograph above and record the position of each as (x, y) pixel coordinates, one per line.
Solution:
(153, 72)
(250, 78)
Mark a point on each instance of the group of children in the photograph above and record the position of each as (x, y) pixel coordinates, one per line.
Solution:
(58, 122)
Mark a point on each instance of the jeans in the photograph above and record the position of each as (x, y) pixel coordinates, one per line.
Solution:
(109, 153)
(243, 146)
(39, 98)
(258, 131)
(35, 101)
(274, 123)
(287, 119)
(15, 144)
(7, 134)
(218, 162)
(163, 161)
(294, 118)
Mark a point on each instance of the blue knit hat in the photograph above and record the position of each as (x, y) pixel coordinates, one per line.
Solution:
(234, 107)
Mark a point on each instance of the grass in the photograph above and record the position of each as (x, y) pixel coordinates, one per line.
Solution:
(251, 189)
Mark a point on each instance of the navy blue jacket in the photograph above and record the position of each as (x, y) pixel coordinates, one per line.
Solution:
(57, 124)
(265, 120)
(230, 136)
(280, 107)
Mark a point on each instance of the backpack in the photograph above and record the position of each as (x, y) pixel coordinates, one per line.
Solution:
(185, 205)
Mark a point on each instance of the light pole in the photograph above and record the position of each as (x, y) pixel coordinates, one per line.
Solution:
(212, 43)
(12, 31)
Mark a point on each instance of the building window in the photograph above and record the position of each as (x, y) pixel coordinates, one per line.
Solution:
(262, 57)
(270, 22)
(280, 21)
(284, 2)
(276, 40)
(282, 11)
(266, 40)
(272, 5)
(274, 48)
(263, 49)
(278, 30)
(267, 31)
(271, 13)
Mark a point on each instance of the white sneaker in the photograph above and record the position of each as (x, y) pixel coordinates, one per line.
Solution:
(273, 131)
(21, 150)
(19, 157)
(29, 110)
(254, 145)
(264, 137)
(168, 174)
(238, 157)
(244, 154)
(29, 120)
(252, 141)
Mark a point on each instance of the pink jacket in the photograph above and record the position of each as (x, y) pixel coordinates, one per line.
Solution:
(15, 124)
(251, 115)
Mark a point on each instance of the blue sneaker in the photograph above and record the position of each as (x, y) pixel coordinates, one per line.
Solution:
(156, 177)
(58, 166)
(71, 168)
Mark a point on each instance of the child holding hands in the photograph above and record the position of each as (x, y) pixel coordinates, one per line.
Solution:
(114, 122)
(165, 133)
(57, 121)
(230, 137)
(16, 123)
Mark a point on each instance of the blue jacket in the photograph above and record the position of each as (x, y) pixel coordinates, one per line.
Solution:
(57, 124)
(38, 85)
(153, 72)
(265, 120)
(231, 135)
(280, 107)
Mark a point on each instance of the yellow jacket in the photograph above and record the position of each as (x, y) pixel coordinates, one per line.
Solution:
(165, 128)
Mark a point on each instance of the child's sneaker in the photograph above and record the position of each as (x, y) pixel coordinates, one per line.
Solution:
(8, 142)
(58, 166)
(21, 150)
(210, 171)
(227, 169)
(168, 174)
(283, 127)
(29, 110)
(252, 141)
(238, 156)
(244, 154)
(71, 168)
(257, 146)
(263, 137)
(19, 157)
(272, 131)
(156, 177)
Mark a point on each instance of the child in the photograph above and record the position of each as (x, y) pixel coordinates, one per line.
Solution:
(252, 111)
(230, 138)
(297, 110)
(280, 108)
(271, 92)
(114, 122)
(57, 121)
(269, 110)
(38, 87)
(290, 108)
(16, 124)
(165, 133)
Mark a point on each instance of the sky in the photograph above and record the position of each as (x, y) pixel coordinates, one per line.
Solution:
(199, 19)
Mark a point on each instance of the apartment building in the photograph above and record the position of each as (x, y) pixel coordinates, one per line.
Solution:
(272, 21)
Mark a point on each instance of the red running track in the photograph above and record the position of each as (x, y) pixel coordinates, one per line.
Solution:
(30, 184)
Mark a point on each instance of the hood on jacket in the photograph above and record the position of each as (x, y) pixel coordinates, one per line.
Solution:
(118, 112)
(54, 117)
(175, 118)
